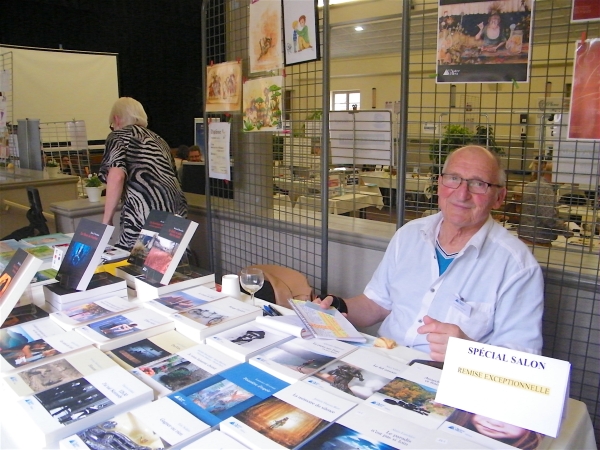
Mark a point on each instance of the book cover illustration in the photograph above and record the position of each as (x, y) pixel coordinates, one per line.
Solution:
(41, 251)
(227, 393)
(159, 425)
(152, 226)
(174, 372)
(10, 245)
(84, 254)
(48, 275)
(297, 359)
(288, 418)
(493, 433)
(412, 397)
(9, 272)
(144, 351)
(61, 371)
(89, 312)
(176, 302)
(27, 332)
(39, 349)
(358, 375)
(114, 327)
(187, 367)
(168, 248)
(33, 312)
(72, 401)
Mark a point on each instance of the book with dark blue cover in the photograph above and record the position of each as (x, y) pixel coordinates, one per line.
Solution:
(84, 254)
(231, 392)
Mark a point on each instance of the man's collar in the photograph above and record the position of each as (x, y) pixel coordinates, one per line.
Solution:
(431, 230)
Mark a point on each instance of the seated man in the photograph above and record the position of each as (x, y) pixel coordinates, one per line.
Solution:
(456, 273)
(194, 154)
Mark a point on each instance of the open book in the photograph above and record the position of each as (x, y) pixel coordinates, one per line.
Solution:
(326, 323)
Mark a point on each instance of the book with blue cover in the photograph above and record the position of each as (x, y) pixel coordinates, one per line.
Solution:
(228, 393)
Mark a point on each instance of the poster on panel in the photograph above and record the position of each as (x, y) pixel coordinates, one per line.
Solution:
(264, 36)
(300, 31)
(585, 11)
(219, 161)
(584, 120)
(484, 41)
(224, 87)
(262, 104)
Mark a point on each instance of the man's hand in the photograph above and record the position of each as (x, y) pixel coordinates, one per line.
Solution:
(438, 334)
(325, 302)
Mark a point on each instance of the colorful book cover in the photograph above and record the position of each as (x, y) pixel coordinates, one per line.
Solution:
(167, 248)
(287, 418)
(28, 332)
(23, 314)
(145, 351)
(179, 301)
(152, 226)
(183, 369)
(84, 254)
(229, 393)
(82, 314)
(14, 279)
(48, 239)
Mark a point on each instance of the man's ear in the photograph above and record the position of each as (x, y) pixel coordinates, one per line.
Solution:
(500, 196)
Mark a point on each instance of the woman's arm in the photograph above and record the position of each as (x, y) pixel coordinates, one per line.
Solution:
(114, 188)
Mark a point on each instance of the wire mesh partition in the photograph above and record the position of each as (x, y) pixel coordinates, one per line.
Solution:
(260, 221)
(281, 179)
(8, 148)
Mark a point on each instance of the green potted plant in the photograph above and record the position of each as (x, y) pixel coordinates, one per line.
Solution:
(52, 167)
(93, 187)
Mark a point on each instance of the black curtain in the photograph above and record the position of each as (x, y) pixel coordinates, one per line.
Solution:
(158, 43)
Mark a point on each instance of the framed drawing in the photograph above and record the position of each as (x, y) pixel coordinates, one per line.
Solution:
(300, 31)
(224, 87)
(264, 36)
(262, 104)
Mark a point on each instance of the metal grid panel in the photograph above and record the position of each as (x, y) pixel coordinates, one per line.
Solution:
(8, 138)
(263, 223)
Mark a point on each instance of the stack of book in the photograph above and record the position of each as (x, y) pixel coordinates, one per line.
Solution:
(101, 285)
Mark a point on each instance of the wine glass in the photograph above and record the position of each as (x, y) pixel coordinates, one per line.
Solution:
(252, 280)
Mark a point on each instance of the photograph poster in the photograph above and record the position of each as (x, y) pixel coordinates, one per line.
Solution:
(585, 11)
(264, 39)
(584, 118)
(219, 161)
(224, 87)
(484, 41)
(262, 104)
(300, 31)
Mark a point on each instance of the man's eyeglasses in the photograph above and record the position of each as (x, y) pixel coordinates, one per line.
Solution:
(474, 186)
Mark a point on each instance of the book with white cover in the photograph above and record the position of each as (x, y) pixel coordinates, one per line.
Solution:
(84, 254)
(40, 351)
(184, 368)
(167, 248)
(30, 381)
(215, 440)
(287, 418)
(80, 315)
(358, 375)
(247, 340)
(63, 410)
(363, 427)
(48, 239)
(411, 396)
(28, 332)
(299, 358)
(148, 289)
(125, 328)
(211, 318)
(15, 279)
(290, 324)
(160, 424)
(230, 392)
(179, 301)
(101, 284)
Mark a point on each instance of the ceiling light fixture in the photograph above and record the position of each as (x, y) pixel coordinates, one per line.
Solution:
(358, 28)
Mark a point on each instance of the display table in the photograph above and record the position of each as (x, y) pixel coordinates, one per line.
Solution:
(14, 202)
(576, 430)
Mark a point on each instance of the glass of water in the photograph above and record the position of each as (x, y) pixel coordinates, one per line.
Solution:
(252, 280)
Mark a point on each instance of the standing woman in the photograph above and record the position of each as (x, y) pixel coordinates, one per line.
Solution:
(137, 166)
